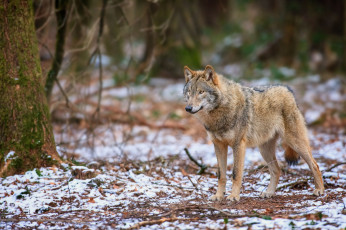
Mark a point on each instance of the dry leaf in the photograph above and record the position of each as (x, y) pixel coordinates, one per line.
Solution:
(54, 168)
(101, 191)
(115, 186)
(125, 215)
(184, 172)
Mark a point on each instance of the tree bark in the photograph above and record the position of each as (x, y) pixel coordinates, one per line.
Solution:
(26, 136)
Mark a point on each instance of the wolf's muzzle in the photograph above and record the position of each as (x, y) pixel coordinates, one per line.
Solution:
(188, 108)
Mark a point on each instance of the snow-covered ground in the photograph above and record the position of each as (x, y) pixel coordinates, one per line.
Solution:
(124, 196)
(135, 174)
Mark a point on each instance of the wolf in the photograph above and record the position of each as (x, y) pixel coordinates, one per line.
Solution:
(240, 117)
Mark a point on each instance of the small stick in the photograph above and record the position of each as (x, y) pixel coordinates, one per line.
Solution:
(202, 166)
(232, 215)
(175, 186)
(60, 186)
(160, 221)
(194, 185)
(292, 184)
(46, 220)
(334, 166)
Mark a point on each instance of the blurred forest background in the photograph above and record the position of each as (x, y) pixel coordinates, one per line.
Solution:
(89, 48)
(136, 40)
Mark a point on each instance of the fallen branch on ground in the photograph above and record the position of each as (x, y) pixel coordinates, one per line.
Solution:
(258, 168)
(293, 184)
(175, 186)
(194, 185)
(46, 220)
(233, 215)
(334, 166)
(205, 207)
(160, 221)
(60, 186)
(193, 166)
(202, 166)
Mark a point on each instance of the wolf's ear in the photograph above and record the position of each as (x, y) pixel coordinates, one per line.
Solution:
(210, 74)
(188, 73)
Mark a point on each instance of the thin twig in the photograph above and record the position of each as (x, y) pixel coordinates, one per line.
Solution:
(202, 166)
(69, 192)
(160, 221)
(51, 56)
(232, 215)
(97, 52)
(45, 220)
(88, 40)
(205, 207)
(194, 185)
(60, 186)
(102, 16)
(67, 100)
(334, 166)
(175, 186)
(47, 20)
(292, 184)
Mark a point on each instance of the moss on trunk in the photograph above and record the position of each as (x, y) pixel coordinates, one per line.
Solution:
(25, 127)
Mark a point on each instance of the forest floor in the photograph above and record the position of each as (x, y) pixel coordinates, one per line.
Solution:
(129, 167)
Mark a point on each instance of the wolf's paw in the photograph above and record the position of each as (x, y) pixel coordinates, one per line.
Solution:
(267, 194)
(233, 197)
(318, 192)
(216, 197)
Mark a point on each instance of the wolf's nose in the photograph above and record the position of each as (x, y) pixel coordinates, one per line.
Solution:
(188, 108)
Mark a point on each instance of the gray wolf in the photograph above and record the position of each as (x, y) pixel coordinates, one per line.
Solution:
(240, 117)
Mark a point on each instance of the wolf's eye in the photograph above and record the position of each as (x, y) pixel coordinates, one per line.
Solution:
(201, 92)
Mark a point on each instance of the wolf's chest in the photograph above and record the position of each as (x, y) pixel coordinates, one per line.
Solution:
(226, 137)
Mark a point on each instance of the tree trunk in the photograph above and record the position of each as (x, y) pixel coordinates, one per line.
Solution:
(61, 8)
(26, 137)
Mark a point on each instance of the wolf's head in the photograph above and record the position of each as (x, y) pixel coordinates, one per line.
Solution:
(201, 91)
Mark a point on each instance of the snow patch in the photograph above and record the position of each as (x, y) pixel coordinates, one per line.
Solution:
(9, 155)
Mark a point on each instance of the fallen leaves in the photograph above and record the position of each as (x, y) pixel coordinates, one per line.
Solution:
(83, 172)
(91, 200)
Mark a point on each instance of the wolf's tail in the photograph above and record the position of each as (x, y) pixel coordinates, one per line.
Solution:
(291, 156)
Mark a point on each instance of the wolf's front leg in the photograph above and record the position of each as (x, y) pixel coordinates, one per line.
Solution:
(221, 155)
(238, 167)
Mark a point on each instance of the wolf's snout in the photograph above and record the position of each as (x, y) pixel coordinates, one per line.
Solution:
(188, 108)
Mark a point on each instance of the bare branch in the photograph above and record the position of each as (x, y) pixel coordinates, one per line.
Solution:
(202, 166)
(160, 221)
(334, 166)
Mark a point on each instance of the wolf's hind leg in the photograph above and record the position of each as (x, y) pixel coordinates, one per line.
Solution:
(302, 147)
(296, 137)
(267, 151)
(221, 155)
